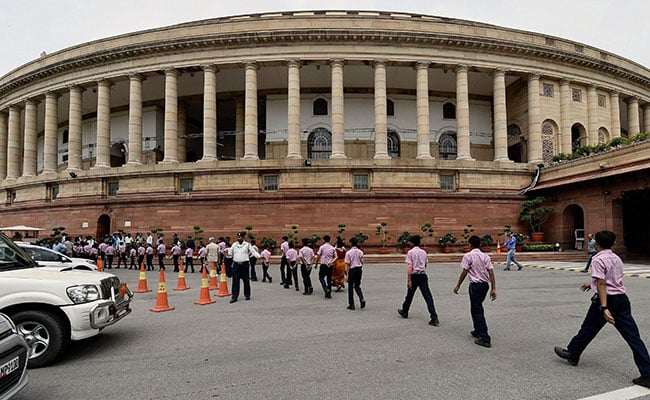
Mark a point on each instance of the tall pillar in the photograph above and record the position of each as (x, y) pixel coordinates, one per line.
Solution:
(135, 119)
(565, 117)
(171, 116)
(51, 145)
(646, 117)
(209, 113)
(239, 129)
(338, 116)
(74, 129)
(422, 110)
(103, 149)
(182, 131)
(14, 143)
(250, 118)
(500, 117)
(616, 114)
(381, 122)
(293, 106)
(633, 116)
(462, 113)
(592, 117)
(534, 121)
(30, 147)
(3, 144)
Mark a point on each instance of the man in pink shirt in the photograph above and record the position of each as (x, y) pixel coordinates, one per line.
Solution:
(306, 257)
(326, 256)
(478, 266)
(416, 260)
(161, 254)
(611, 305)
(353, 267)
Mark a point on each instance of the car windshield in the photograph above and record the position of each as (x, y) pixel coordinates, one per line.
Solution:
(42, 254)
(11, 256)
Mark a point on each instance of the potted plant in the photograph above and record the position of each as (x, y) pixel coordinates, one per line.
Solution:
(521, 238)
(268, 243)
(361, 238)
(486, 242)
(427, 232)
(533, 213)
(403, 241)
(381, 231)
(467, 232)
(446, 241)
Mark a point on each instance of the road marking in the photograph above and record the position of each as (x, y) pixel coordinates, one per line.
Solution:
(628, 393)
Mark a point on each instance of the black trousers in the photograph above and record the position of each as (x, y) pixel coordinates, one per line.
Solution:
(109, 260)
(354, 284)
(121, 259)
(420, 281)
(265, 272)
(253, 261)
(161, 261)
(240, 271)
(285, 275)
(306, 277)
(175, 258)
(477, 293)
(619, 307)
(149, 262)
(228, 263)
(325, 277)
(140, 261)
(189, 263)
(292, 274)
(132, 265)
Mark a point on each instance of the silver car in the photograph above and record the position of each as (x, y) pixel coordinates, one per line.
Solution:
(13, 359)
(49, 258)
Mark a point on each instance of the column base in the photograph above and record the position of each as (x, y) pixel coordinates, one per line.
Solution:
(134, 163)
(464, 157)
(381, 156)
(169, 161)
(100, 166)
(250, 157)
(424, 157)
(503, 160)
(296, 156)
(206, 160)
(338, 155)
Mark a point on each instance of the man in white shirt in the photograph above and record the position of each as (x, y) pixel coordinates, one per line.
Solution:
(241, 252)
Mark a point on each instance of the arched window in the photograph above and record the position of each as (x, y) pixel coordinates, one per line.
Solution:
(319, 144)
(603, 135)
(548, 141)
(516, 150)
(390, 108)
(449, 111)
(320, 107)
(447, 146)
(393, 144)
(578, 137)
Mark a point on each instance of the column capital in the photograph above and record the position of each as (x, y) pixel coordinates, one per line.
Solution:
(210, 68)
(422, 64)
(592, 86)
(51, 95)
(171, 72)
(534, 75)
(136, 77)
(251, 65)
(78, 88)
(614, 92)
(104, 82)
(565, 81)
(461, 68)
(294, 62)
(632, 99)
(31, 100)
(15, 108)
(337, 62)
(379, 62)
(499, 72)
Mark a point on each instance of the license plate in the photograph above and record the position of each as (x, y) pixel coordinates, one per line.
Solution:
(9, 367)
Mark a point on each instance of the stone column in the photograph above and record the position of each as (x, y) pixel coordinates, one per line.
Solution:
(182, 131)
(616, 114)
(381, 122)
(103, 147)
(14, 143)
(500, 117)
(75, 129)
(462, 113)
(293, 106)
(534, 121)
(239, 129)
(250, 124)
(422, 110)
(31, 138)
(135, 120)
(646, 117)
(209, 113)
(633, 116)
(51, 145)
(171, 116)
(338, 116)
(565, 117)
(3, 144)
(592, 117)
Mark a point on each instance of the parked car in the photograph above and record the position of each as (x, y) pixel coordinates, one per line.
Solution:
(49, 258)
(13, 359)
(53, 306)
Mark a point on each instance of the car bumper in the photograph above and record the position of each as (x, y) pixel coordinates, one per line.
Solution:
(13, 377)
(86, 320)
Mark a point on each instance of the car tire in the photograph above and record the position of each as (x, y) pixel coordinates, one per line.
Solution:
(45, 335)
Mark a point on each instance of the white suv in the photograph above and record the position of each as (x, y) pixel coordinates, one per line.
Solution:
(50, 258)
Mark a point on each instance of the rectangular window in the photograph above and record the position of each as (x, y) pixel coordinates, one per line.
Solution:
(360, 182)
(11, 196)
(271, 183)
(548, 90)
(447, 182)
(113, 188)
(602, 100)
(186, 185)
(54, 191)
(576, 95)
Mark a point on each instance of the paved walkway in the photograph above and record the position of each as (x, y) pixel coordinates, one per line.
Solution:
(632, 270)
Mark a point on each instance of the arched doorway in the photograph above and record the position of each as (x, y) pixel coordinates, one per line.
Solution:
(573, 219)
(319, 144)
(516, 144)
(578, 137)
(448, 147)
(103, 226)
(118, 154)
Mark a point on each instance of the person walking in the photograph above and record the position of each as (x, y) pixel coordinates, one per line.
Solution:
(609, 304)
(353, 269)
(176, 255)
(133, 253)
(161, 249)
(305, 258)
(189, 259)
(109, 250)
(241, 253)
(292, 272)
(416, 261)
(478, 266)
(591, 251)
(253, 261)
(266, 262)
(511, 245)
(213, 254)
(326, 256)
(285, 275)
(141, 253)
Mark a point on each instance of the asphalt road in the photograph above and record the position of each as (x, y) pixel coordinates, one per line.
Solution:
(283, 345)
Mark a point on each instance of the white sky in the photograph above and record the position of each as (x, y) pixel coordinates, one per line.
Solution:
(28, 27)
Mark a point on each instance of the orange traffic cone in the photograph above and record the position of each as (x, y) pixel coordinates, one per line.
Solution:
(204, 297)
(223, 283)
(498, 248)
(142, 283)
(213, 277)
(161, 302)
(181, 279)
(99, 265)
